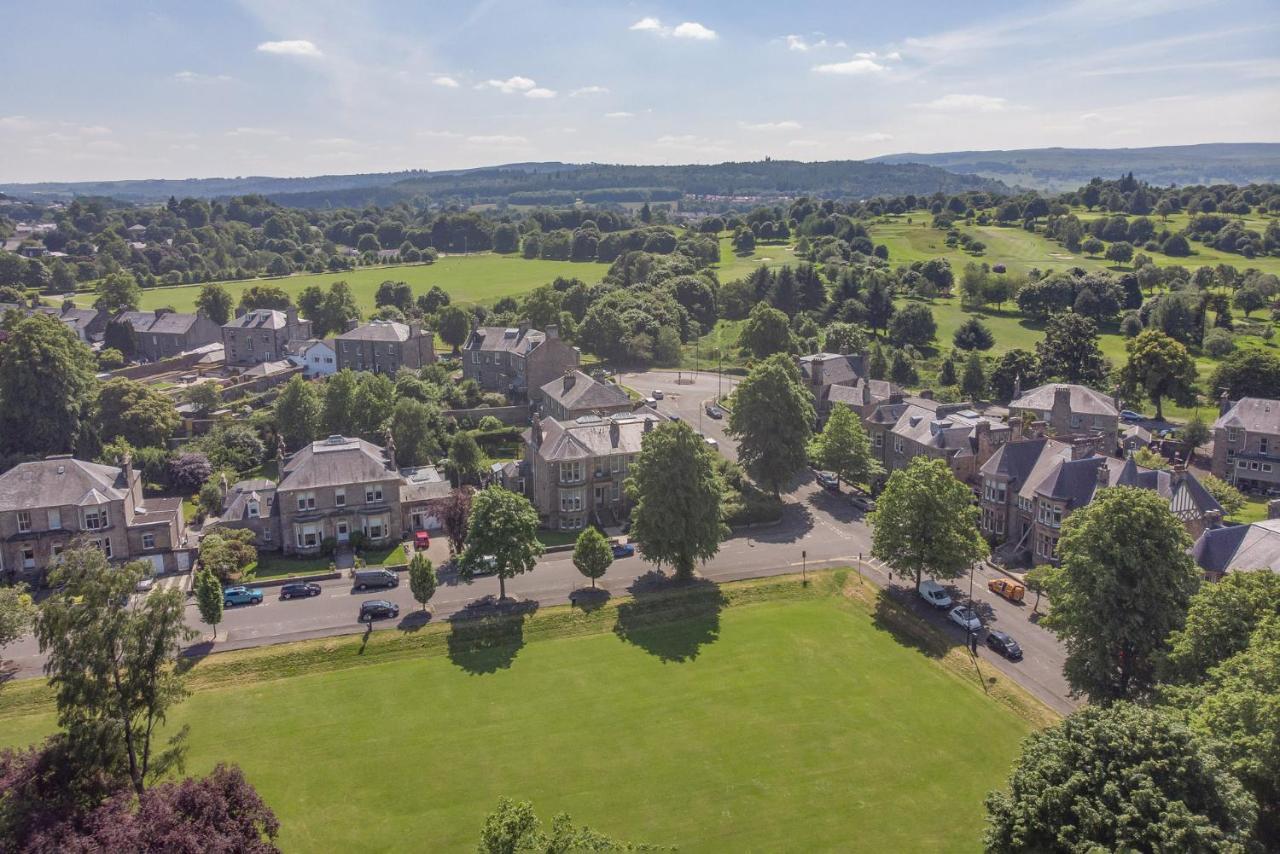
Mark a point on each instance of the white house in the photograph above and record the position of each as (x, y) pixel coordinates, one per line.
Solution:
(316, 358)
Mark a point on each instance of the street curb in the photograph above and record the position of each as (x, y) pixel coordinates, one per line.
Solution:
(297, 579)
(751, 525)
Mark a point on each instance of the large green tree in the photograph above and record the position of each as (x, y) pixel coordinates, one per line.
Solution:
(466, 460)
(767, 331)
(454, 325)
(416, 427)
(214, 303)
(16, 612)
(592, 554)
(677, 496)
(844, 447)
(503, 527)
(1122, 587)
(925, 523)
(298, 412)
(1159, 367)
(110, 662)
(1220, 620)
(1120, 778)
(1069, 350)
(1248, 373)
(773, 419)
(46, 387)
(127, 409)
(118, 292)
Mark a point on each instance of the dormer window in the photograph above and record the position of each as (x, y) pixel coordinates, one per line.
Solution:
(96, 519)
(253, 510)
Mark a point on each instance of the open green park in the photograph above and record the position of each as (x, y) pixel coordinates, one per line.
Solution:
(756, 716)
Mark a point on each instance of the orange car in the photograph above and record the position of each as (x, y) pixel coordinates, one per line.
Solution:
(1011, 590)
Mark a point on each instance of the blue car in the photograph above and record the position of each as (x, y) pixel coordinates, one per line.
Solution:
(241, 596)
(1129, 415)
(624, 549)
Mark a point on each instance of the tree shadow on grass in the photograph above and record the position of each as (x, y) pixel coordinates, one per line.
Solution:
(486, 636)
(192, 655)
(589, 598)
(670, 619)
(896, 613)
(414, 620)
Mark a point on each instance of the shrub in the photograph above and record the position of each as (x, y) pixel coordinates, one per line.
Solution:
(1219, 343)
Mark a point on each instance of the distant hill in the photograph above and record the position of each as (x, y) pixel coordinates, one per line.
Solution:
(1068, 168)
(548, 183)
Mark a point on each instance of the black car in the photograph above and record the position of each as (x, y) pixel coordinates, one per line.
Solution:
(829, 481)
(378, 609)
(714, 411)
(1005, 645)
(299, 590)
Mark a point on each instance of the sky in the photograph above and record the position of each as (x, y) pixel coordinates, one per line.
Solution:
(114, 89)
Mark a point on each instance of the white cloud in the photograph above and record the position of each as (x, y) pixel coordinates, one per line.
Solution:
(511, 85)
(498, 139)
(783, 125)
(18, 123)
(259, 132)
(852, 67)
(446, 81)
(291, 47)
(197, 77)
(540, 92)
(334, 142)
(589, 90)
(439, 134)
(691, 30)
(799, 43)
(694, 30)
(871, 136)
(95, 130)
(619, 114)
(968, 103)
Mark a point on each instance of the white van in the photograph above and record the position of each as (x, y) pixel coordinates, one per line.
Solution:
(933, 593)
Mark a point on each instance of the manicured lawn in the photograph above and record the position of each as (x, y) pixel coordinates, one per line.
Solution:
(385, 555)
(1255, 510)
(734, 266)
(798, 723)
(273, 565)
(557, 538)
(481, 278)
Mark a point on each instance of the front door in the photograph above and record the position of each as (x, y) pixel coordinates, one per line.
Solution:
(599, 495)
(344, 532)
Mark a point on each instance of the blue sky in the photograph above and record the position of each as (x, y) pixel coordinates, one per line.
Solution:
(107, 89)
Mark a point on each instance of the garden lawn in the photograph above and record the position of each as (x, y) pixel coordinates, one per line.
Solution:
(480, 278)
(791, 724)
(275, 565)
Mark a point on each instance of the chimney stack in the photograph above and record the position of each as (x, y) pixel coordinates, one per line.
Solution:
(553, 331)
(1224, 403)
(615, 433)
(648, 423)
(569, 379)
(535, 432)
(291, 316)
(1213, 519)
(1104, 473)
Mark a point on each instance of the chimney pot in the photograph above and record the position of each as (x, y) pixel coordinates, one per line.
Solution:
(1104, 473)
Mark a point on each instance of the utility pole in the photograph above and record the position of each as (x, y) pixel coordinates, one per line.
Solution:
(804, 566)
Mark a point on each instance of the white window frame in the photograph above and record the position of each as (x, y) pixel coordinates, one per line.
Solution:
(55, 518)
(372, 494)
(1233, 434)
(24, 521)
(306, 501)
(96, 519)
(340, 498)
(105, 546)
(574, 470)
(897, 444)
(148, 540)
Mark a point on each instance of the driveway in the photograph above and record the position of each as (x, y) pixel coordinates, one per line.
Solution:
(685, 394)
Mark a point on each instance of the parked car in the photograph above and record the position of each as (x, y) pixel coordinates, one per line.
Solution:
(935, 594)
(1130, 415)
(300, 590)
(378, 609)
(484, 565)
(964, 617)
(379, 577)
(241, 596)
(714, 411)
(711, 443)
(421, 540)
(862, 502)
(656, 394)
(829, 481)
(623, 549)
(1005, 645)
(1011, 590)
(145, 583)
(651, 402)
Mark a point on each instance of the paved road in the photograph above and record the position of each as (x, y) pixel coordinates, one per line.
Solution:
(818, 530)
(685, 393)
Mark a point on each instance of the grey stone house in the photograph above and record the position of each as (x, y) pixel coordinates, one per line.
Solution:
(47, 505)
(516, 359)
(161, 334)
(1240, 548)
(575, 394)
(261, 335)
(384, 347)
(917, 426)
(575, 469)
(1068, 408)
(839, 378)
(1029, 487)
(1246, 444)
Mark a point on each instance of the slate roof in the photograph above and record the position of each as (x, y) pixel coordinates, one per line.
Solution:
(837, 368)
(424, 483)
(590, 436)
(952, 430)
(378, 330)
(1254, 414)
(236, 504)
(267, 369)
(1084, 400)
(511, 339)
(259, 318)
(861, 392)
(1076, 482)
(167, 323)
(299, 346)
(585, 392)
(1239, 547)
(335, 461)
(59, 482)
(1023, 462)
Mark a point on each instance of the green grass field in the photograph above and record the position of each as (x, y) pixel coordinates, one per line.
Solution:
(795, 719)
(481, 278)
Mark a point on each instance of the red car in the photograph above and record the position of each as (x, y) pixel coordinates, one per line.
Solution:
(421, 540)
